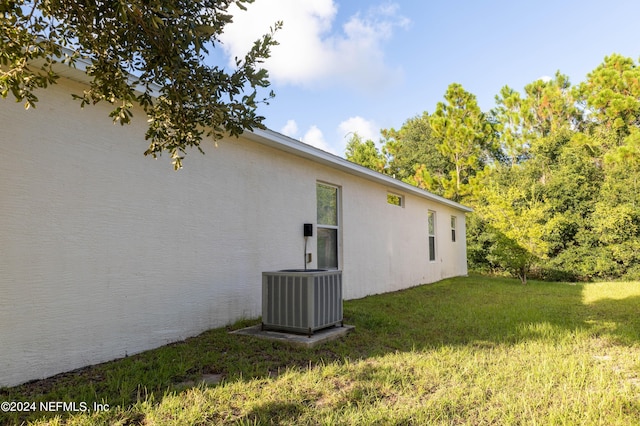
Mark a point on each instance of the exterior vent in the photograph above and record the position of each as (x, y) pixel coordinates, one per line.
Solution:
(301, 301)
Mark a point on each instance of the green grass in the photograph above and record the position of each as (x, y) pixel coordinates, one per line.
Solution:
(473, 350)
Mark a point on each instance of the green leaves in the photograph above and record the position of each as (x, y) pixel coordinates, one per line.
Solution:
(611, 94)
(412, 151)
(145, 52)
(517, 223)
(26, 58)
(365, 153)
(464, 132)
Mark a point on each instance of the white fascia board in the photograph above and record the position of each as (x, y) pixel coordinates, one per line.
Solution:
(301, 149)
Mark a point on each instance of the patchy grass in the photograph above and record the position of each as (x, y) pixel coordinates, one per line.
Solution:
(470, 350)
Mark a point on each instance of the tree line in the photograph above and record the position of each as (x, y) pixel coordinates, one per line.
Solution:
(552, 173)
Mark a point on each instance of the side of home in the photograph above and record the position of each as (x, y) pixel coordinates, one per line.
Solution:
(106, 253)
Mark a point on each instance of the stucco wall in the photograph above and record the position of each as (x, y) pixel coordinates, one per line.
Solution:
(107, 253)
(385, 247)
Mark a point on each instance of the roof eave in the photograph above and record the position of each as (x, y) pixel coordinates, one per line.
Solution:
(300, 149)
(293, 146)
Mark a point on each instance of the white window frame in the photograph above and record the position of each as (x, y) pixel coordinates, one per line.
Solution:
(432, 234)
(338, 220)
(454, 223)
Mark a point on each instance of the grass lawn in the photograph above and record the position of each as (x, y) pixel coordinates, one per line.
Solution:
(472, 350)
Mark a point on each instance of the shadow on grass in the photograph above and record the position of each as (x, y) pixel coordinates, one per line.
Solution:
(475, 310)
(619, 318)
(272, 413)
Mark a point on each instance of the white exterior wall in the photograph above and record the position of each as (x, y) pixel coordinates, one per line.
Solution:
(385, 247)
(106, 252)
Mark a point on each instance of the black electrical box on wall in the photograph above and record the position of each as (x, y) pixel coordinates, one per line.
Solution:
(308, 230)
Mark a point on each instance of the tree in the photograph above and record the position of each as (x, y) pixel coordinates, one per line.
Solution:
(549, 106)
(616, 216)
(465, 133)
(623, 172)
(149, 53)
(516, 218)
(611, 94)
(414, 144)
(510, 125)
(364, 153)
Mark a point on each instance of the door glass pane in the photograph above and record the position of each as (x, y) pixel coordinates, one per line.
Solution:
(327, 248)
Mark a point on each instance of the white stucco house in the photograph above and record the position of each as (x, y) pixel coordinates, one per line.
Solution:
(105, 252)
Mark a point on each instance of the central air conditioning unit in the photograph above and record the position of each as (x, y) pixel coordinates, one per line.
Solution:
(301, 301)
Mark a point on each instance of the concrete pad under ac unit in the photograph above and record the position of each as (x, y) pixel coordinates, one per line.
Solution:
(320, 336)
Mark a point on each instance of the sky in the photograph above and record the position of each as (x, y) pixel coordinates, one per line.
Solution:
(345, 66)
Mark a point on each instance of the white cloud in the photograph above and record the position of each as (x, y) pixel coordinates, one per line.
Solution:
(364, 128)
(290, 129)
(315, 138)
(311, 50)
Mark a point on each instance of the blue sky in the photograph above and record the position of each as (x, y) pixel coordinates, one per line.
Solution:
(359, 66)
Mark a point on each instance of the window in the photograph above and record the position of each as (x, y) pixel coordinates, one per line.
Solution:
(432, 235)
(453, 229)
(327, 207)
(395, 199)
